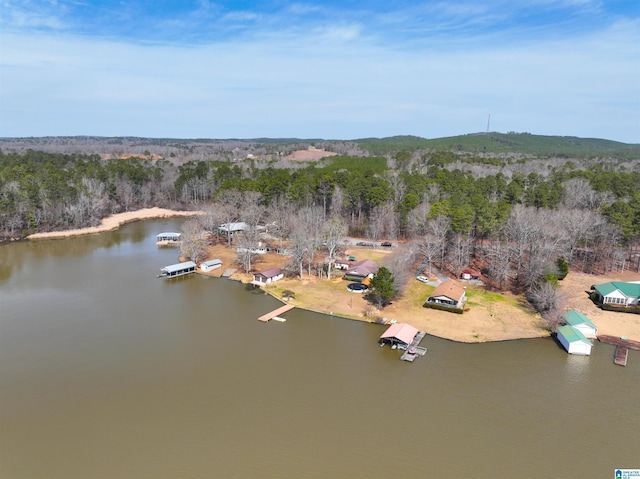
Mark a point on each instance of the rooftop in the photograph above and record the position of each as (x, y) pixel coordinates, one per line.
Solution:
(574, 318)
(451, 289)
(402, 331)
(572, 335)
(270, 273)
(628, 289)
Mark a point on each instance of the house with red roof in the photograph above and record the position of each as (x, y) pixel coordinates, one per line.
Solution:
(268, 276)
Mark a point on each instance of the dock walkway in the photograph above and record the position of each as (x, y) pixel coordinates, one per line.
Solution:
(622, 347)
(414, 349)
(276, 312)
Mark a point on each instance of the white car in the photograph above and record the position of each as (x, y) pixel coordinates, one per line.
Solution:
(422, 279)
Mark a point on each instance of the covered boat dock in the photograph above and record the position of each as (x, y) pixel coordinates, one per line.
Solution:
(179, 269)
(406, 337)
(168, 238)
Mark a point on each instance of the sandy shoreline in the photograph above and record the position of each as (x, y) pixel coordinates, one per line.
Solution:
(115, 221)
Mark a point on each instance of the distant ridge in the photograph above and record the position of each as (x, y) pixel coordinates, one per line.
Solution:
(492, 143)
(500, 143)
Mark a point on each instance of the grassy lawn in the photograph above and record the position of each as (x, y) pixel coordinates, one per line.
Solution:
(477, 296)
(322, 295)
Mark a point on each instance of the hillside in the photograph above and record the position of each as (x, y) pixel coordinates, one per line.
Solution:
(523, 144)
(499, 143)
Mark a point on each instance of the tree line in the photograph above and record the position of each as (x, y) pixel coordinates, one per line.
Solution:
(514, 226)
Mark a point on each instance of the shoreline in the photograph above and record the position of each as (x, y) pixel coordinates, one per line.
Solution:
(437, 324)
(114, 222)
(452, 338)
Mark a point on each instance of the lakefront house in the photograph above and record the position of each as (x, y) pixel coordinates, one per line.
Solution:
(450, 294)
(618, 293)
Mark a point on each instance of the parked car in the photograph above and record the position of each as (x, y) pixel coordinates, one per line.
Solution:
(422, 279)
(386, 244)
(363, 243)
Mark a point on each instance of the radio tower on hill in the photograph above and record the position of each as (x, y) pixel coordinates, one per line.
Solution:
(488, 123)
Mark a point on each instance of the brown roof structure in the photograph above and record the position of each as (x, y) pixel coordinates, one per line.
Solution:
(450, 289)
(270, 273)
(363, 268)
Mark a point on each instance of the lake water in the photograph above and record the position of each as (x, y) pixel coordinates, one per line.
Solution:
(109, 372)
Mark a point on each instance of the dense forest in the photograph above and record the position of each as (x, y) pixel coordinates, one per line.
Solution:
(513, 214)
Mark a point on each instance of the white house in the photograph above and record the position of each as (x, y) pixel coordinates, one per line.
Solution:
(618, 293)
(268, 276)
(231, 228)
(580, 322)
(260, 248)
(574, 341)
(210, 265)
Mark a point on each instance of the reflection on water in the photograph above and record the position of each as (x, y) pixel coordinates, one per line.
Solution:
(108, 371)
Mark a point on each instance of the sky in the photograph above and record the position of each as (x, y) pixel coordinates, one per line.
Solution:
(333, 69)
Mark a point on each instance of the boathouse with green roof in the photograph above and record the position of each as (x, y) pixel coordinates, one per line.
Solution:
(618, 293)
(574, 341)
(580, 322)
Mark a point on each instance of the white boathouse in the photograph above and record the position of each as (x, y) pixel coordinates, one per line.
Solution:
(168, 237)
(574, 341)
(580, 322)
(210, 265)
(178, 269)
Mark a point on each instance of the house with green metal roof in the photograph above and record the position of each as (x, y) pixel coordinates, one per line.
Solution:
(574, 341)
(580, 322)
(618, 293)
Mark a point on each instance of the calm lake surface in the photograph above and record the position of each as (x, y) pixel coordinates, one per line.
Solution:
(109, 372)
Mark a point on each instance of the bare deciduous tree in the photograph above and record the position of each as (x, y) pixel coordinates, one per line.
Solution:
(333, 232)
(252, 213)
(193, 243)
(546, 299)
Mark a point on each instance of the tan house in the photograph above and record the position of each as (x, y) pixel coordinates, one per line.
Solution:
(449, 293)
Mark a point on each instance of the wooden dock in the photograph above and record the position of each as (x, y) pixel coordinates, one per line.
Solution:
(623, 346)
(622, 353)
(276, 312)
(414, 349)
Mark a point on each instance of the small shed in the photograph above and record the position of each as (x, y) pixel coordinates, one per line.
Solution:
(580, 322)
(210, 265)
(341, 264)
(268, 276)
(398, 335)
(574, 341)
(469, 273)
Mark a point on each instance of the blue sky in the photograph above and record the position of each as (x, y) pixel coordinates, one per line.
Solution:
(334, 70)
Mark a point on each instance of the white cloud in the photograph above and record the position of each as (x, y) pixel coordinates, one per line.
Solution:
(332, 84)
